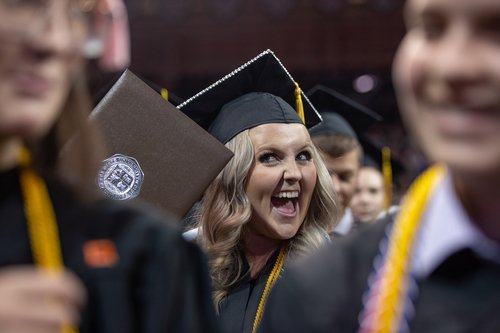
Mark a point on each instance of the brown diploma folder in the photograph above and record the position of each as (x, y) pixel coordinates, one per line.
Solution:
(156, 152)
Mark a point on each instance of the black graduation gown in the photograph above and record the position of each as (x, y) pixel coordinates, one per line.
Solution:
(237, 311)
(324, 293)
(159, 282)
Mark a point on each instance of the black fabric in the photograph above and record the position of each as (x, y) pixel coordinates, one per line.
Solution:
(159, 284)
(461, 295)
(237, 311)
(324, 293)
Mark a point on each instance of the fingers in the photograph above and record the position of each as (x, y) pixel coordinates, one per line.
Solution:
(31, 299)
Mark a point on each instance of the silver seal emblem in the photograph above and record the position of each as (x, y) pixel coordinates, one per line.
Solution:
(120, 177)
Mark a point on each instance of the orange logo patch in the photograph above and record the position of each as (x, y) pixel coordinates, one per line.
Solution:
(100, 253)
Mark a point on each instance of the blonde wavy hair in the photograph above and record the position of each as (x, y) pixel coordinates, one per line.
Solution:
(226, 210)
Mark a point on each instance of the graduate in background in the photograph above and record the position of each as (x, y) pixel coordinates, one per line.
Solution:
(368, 201)
(372, 199)
(274, 200)
(71, 261)
(339, 144)
(436, 266)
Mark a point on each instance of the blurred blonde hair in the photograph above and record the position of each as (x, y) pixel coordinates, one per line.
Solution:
(226, 210)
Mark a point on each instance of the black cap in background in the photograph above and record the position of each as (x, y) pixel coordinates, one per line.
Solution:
(327, 100)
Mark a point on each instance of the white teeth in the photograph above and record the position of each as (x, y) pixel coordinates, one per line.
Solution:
(288, 195)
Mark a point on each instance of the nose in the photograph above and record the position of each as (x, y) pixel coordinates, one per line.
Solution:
(292, 172)
(363, 197)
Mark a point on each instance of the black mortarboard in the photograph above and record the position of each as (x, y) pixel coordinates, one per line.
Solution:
(373, 156)
(328, 100)
(333, 123)
(156, 152)
(259, 92)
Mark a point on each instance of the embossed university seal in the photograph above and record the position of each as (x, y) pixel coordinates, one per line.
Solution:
(120, 177)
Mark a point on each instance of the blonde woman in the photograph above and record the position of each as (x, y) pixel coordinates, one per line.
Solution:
(273, 201)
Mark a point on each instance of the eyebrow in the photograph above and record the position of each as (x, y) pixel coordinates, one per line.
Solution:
(273, 147)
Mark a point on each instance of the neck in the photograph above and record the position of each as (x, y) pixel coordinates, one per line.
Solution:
(9, 153)
(479, 197)
(258, 249)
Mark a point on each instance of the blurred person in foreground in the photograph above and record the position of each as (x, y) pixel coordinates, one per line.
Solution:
(435, 268)
(71, 261)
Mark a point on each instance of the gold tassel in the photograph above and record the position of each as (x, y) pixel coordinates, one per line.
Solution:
(41, 219)
(298, 103)
(164, 93)
(387, 172)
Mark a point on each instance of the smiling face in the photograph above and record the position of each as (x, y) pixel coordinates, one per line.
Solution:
(447, 79)
(35, 71)
(369, 197)
(281, 181)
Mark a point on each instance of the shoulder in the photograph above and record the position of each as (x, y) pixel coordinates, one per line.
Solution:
(323, 292)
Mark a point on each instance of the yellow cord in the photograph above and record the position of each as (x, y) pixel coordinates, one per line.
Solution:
(387, 173)
(42, 225)
(388, 309)
(164, 93)
(298, 103)
(271, 280)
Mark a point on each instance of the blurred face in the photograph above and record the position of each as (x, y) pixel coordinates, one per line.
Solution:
(368, 200)
(447, 75)
(280, 184)
(37, 58)
(344, 172)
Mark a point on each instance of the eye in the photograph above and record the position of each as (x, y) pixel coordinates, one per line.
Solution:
(304, 156)
(489, 27)
(268, 158)
(346, 177)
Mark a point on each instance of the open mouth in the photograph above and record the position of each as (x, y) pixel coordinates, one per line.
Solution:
(285, 202)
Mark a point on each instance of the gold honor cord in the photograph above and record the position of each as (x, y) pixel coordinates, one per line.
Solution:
(271, 280)
(387, 173)
(42, 226)
(298, 103)
(389, 295)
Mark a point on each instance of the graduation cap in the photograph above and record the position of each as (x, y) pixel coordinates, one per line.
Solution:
(259, 92)
(156, 152)
(329, 101)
